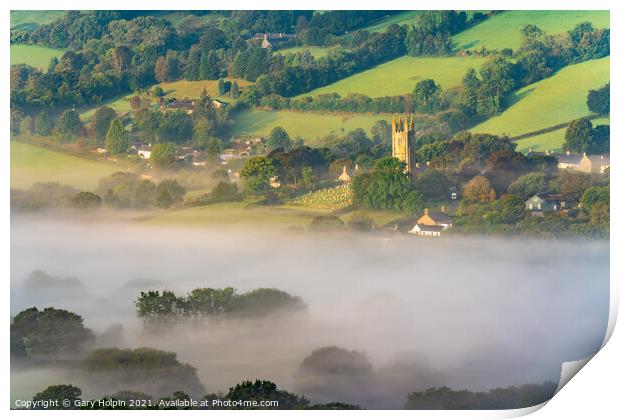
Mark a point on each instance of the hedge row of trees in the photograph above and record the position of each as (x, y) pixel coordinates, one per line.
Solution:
(162, 309)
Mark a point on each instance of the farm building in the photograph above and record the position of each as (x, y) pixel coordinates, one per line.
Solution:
(432, 223)
(543, 202)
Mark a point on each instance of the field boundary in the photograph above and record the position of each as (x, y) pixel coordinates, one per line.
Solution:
(548, 129)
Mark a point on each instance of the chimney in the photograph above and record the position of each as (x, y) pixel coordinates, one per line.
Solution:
(568, 152)
(426, 211)
(443, 209)
(547, 152)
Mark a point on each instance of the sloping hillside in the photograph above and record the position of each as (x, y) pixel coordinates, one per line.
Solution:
(551, 101)
(400, 76)
(503, 30)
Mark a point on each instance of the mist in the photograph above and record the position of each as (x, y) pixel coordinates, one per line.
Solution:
(463, 312)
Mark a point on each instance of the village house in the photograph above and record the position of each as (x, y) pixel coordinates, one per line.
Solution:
(186, 105)
(592, 164)
(271, 40)
(142, 150)
(544, 202)
(432, 223)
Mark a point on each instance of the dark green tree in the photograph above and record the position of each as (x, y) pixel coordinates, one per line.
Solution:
(116, 138)
(579, 136)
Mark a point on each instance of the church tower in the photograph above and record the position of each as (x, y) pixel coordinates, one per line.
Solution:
(403, 142)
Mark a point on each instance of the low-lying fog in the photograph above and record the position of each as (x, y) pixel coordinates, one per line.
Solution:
(470, 313)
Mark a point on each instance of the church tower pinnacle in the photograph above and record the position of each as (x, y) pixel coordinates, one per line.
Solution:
(403, 142)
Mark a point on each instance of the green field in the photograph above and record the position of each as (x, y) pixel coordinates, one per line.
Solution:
(236, 213)
(29, 20)
(34, 55)
(401, 75)
(306, 125)
(555, 100)
(193, 88)
(503, 30)
(30, 164)
(550, 141)
(404, 18)
(179, 89)
(120, 105)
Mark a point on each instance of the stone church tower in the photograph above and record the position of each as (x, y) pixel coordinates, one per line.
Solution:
(403, 142)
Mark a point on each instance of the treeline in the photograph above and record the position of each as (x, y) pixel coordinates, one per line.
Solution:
(114, 53)
(444, 398)
(248, 395)
(160, 309)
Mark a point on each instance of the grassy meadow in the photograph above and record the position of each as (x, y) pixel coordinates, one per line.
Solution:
(179, 89)
(404, 18)
(401, 75)
(30, 164)
(550, 141)
(306, 125)
(555, 100)
(503, 30)
(34, 55)
(192, 88)
(29, 20)
(236, 213)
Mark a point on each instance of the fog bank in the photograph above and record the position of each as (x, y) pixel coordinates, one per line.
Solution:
(463, 312)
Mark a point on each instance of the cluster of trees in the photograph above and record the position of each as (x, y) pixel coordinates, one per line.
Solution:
(444, 398)
(127, 190)
(151, 370)
(333, 102)
(161, 309)
(480, 211)
(257, 391)
(582, 137)
(387, 186)
(47, 332)
(431, 34)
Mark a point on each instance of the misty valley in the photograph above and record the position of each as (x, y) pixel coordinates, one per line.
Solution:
(333, 320)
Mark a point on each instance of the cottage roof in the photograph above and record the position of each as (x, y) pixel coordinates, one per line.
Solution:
(567, 158)
(547, 196)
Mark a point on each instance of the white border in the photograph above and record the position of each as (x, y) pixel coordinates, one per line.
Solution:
(592, 395)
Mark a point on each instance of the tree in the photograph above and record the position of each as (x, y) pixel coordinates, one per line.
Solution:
(425, 95)
(309, 179)
(101, 121)
(162, 70)
(116, 138)
(86, 200)
(43, 124)
(529, 184)
(213, 149)
(326, 223)
(478, 190)
(51, 331)
(433, 183)
(571, 185)
(279, 138)
(599, 215)
(61, 394)
(135, 103)
(598, 100)
(256, 172)
(234, 90)
(260, 390)
(221, 86)
(579, 136)
(595, 194)
(169, 192)
(163, 154)
(27, 125)
(69, 124)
